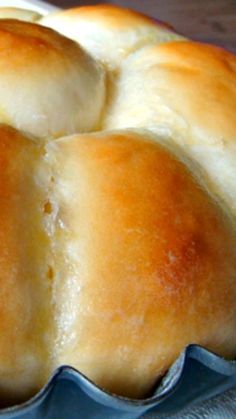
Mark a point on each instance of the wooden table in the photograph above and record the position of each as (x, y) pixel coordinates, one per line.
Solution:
(205, 20)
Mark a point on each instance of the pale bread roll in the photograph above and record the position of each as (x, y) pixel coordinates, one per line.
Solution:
(186, 92)
(19, 14)
(144, 260)
(48, 86)
(108, 32)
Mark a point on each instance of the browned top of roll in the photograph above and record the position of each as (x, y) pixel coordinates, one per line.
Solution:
(145, 260)
(109, 32)
(186, 92)
(118, 248)
(25, 301)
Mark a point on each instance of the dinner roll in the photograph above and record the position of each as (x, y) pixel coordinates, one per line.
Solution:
(48, 86)
(144, 260)
(117, 199)
(186, 92)
(109, 32)
(25, 287)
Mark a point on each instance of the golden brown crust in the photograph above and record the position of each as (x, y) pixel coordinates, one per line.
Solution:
(110, 15)
(192, 80)
(108, 32)
(185, 91)
(146, 261)
(116, 251)
(25, 302)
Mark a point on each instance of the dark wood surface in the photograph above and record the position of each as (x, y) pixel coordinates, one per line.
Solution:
(205, 20)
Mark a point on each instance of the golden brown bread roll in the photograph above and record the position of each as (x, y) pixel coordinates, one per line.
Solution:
(144, 260)
(108, 32)
(186, 92)
(107, 237)
(48, 86)
(119, 247)
(25, 289)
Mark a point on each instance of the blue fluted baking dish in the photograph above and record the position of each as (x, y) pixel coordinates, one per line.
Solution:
(196, 376)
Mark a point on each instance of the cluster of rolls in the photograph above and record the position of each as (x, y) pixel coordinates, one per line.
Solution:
(117, 198)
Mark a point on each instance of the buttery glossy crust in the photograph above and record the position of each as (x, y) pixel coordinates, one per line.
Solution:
(25, 303)
(116, 251)
(109, 32)
(48, 86)
(145, 261)
(191, 80)
(186, 92)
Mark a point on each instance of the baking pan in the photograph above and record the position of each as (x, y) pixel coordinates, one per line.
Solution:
(197, 375)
